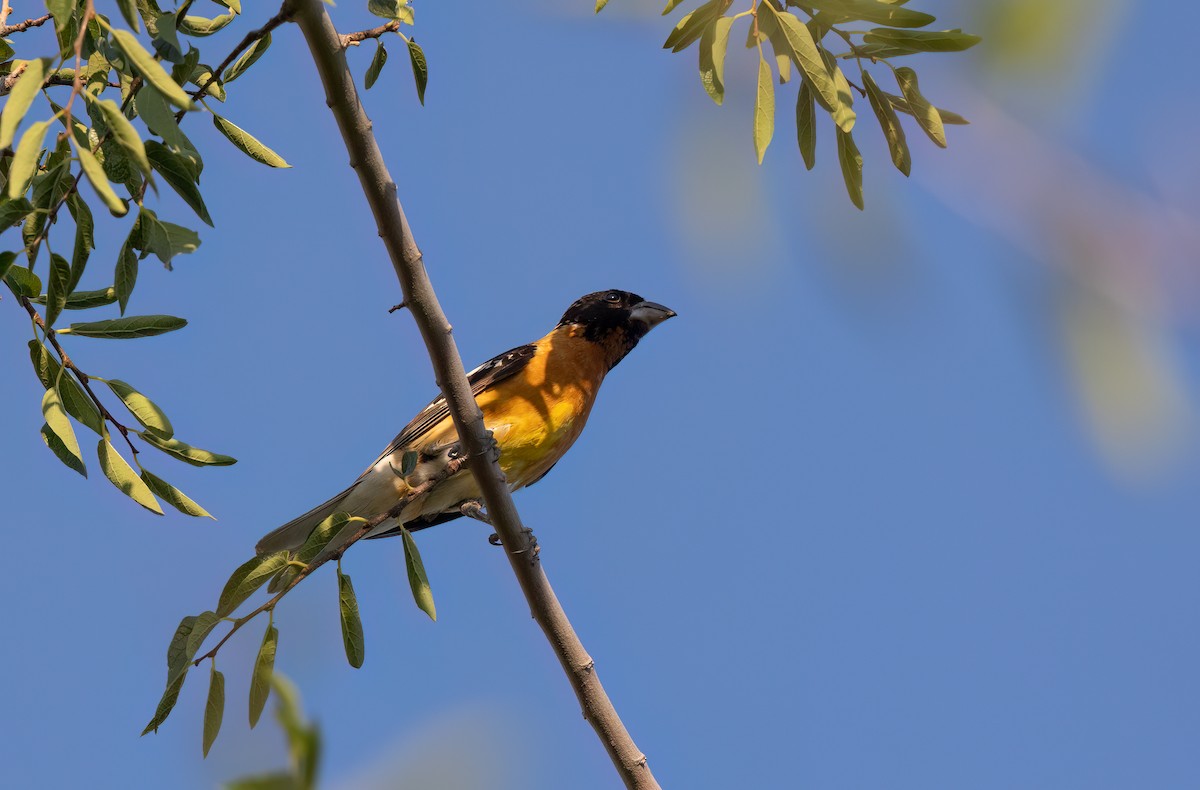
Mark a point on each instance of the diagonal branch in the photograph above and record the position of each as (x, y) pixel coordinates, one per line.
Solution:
(380, 191)
(21, 27)
(354, 39)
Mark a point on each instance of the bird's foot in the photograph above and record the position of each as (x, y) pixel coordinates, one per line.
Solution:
(473, 508)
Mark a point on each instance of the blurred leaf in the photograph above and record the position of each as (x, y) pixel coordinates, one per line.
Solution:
(23, 282)
(99, 181)
(420, 68)
(852, 163)
(900, 104)
(417, 580)
(391, 9)
(247, 59)
(803, 50)
(671, 4)
(713, 45)
(600, 5)
(260, 680)
(248, 144)
(129, 11)
(13, 211)
(276, 781)
(150, 70)
(926, 114)
(24, 163)
(214, 708)
(249, 576)
(893, 132)
(59, 427)
(199, 26)
(881, 12)
(57, 288)
(377, 63)
(124, 478)
(173, 496)
(806, 125)
(20, 99)
(141, 407)
(352, 632)
(764, 110)
(128, 327)
(185, 452)
(922, 40)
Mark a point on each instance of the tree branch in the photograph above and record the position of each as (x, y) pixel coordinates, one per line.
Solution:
(21, 27)
(380, 190)
(354, 39)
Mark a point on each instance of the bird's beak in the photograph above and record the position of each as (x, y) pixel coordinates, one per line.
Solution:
(651, 313)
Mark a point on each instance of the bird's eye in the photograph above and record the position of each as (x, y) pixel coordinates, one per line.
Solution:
(612, 296)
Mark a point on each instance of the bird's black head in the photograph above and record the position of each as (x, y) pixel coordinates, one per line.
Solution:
(615, 319)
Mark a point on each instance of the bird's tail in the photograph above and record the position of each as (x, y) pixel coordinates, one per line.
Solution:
(292, 535)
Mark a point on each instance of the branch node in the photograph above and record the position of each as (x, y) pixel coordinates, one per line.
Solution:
(396, 307)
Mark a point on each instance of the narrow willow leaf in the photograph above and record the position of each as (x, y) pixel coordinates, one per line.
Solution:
(23, 282)
(249, 576)
(881, 12)
(129, 11)
(949, 117)
(178, 656)
(185, 452)
(128, 327)
(20, 98)
(926, 114)
(600, 5)
(922, 40)
(74, 400)
(893, 132)
(24, 162)
(260, 680)
(843, 114)
(806, 125)
(201, 75)
(125, 276)
(124, 133)
(153, 109)
(804, 51)
(387, 9)
(71, 458)
(764, 110)
(377, 63)
(214, 708)
(84, 236)
(199, 26)
(13, 211)
(149, 69)
(167, 703)
(58, 285)
(99, 181)
(417, 580)
(142, 408)
(713, 44)
(6, 262)
(248, 144)
(692, 26)
(420, 68)
(852, 163)
(352, 631)
(124, 478)
(319, 538)
(60, 427)
(670, 6)
(248, 59)
(86, 300)
(204, 624)
(173, 496)
(177, 171)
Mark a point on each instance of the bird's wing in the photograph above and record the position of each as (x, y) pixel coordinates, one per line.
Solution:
(490, 373)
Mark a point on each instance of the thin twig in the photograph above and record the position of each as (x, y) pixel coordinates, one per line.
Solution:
(5, 10)
(21, 27)
(380, 191)
(354, 39)
(450, 469)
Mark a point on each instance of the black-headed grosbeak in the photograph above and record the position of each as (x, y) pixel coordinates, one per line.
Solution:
(535, 400)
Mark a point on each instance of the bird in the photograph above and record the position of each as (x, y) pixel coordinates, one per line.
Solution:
(535, 400)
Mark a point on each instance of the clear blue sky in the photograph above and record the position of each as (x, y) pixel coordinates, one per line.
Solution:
(842, 524)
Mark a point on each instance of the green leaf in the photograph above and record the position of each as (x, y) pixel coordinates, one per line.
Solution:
(129, 11)
(60, 428)
(670, 6)
(600, 5)
(922, 40)
(806, 125)
(852, 163)
(391, 9)
(124, 478)
(692, 26)
(883, 13)
(173, 496)
(20, 98)
(713, 44)
(201, 628)
(125, 276)
(13, 211)
(764, 110)
(23, 282)
(248, 59)
(408, 462)
(176, 171)
(804, 51)
(377, 63)
(185, 452)
(153, 109)
(142, 408)
(24, 163)
(6, 261)
(843, 112)
(128, 327)
(77, 404)
(352, 631)
(417, 580)
(926, 114)
(164, 239)
(124, 133)
(214, 708)
(201, 75)
(167, 703)
(900, 104)
(249, 576)
(248, 144)
(56, 288)
(199, 26)
(260, 680)
(893, 132)
(420, 68)
(150, 69)
(99, 181)
(84, 236)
